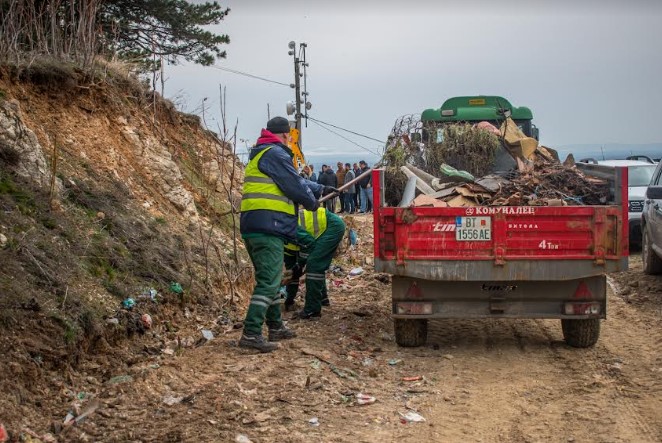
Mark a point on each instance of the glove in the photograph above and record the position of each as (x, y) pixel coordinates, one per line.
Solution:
(316, 206)
(330, 190)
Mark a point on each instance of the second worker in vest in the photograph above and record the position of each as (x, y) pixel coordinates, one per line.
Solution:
(318, 235)
(269, 214)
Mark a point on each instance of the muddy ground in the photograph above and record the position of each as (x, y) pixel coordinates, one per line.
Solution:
(488, 380)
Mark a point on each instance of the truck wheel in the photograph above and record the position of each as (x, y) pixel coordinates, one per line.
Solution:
(581, 333)
(652, 263)
(410, 333)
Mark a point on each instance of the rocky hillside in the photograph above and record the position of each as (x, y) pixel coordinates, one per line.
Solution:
(107, 193)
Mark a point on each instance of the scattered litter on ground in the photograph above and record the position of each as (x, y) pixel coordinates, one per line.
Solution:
(171, 400)
(241, 438)
(353, 238)
(128, 303)
(314, 421)
(394, 361)
(356, 271)
(176, 288)
(146, 321)
(207, 334)
(364, 399)
(413, 378)
(74, 417)
(412, 417)
(150, 293)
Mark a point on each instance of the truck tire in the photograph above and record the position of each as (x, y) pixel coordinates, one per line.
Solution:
(410, 333)
(652, 263)
(581, 333)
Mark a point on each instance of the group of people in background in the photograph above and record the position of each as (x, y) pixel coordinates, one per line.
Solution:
(356, 198)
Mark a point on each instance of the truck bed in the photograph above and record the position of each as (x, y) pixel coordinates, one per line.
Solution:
(525, 242)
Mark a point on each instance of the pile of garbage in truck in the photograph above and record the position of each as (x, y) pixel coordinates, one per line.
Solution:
(482, 165)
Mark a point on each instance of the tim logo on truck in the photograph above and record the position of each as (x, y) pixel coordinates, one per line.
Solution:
(443, 227)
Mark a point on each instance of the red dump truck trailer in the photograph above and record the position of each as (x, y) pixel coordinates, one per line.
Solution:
(501, 262)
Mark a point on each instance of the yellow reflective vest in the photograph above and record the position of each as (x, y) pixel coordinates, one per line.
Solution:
(260, 191)
(313, 221)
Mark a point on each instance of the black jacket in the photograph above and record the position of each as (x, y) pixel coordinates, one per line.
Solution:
(329, 178)
(365, 181)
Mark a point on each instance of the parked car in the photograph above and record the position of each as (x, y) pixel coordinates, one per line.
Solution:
(639, 176)
(651, 225)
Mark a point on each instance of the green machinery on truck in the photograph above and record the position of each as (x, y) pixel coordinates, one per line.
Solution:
(474, 109)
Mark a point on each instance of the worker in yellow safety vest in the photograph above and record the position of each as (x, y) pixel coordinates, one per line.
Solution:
(272, 192)
(318, 235)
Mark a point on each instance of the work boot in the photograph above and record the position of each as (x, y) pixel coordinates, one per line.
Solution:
(282, 332)
(305, 315)
(256, 342)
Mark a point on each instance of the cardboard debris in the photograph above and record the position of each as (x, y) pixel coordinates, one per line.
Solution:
(427, 200)
(520, 145)
(569, 161)
(466, 192)
(549, 154)
(460, 201)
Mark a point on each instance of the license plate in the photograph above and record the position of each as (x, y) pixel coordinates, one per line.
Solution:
(473, 228)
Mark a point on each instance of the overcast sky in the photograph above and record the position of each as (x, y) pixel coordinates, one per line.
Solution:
(590, 73)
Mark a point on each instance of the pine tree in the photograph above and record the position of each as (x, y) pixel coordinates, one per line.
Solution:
(169, 29)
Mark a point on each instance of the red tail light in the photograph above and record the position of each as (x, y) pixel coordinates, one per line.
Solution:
(583, 292)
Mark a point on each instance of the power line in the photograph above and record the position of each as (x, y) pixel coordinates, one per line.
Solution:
(234, 71)
(345, 138)
(347, 130)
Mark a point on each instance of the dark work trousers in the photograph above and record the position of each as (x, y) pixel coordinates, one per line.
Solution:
(266, 253)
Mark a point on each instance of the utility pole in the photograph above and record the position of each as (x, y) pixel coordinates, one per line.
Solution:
(297, 95)
(301, 97)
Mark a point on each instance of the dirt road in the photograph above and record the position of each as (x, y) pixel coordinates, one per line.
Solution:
(479, 381)
(489, 381)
